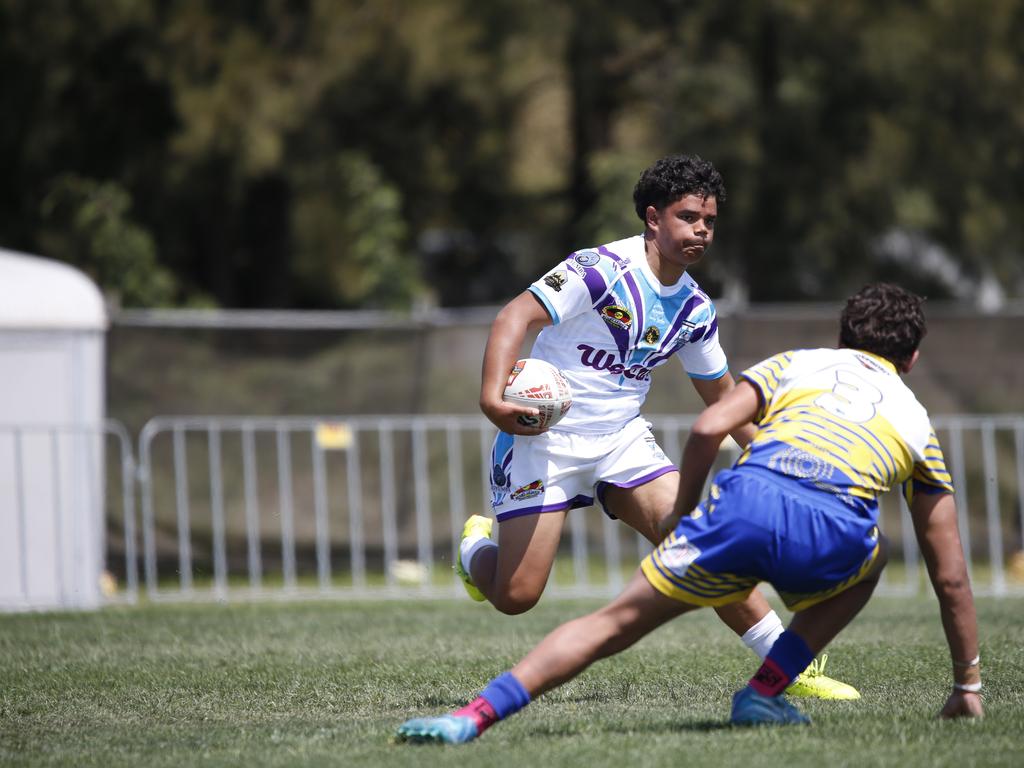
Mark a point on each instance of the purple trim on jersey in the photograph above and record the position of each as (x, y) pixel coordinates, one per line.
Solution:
(603, 250)
(602, 486)
(663, 354)
(620, 335)
(574, 503)
(595, 283)
(706, 330)
(638, 307)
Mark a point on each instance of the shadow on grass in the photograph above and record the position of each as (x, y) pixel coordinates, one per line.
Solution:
(692, 726)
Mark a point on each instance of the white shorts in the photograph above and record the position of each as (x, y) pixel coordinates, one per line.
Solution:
(554, 471)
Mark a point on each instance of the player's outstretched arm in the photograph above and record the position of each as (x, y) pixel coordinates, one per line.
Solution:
(508, 332)
(713, 390)
(736, 407)
(935, 523)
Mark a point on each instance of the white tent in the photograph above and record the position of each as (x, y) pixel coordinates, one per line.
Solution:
(52, 332)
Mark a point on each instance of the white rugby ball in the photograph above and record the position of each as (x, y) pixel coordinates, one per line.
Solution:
(538, 384)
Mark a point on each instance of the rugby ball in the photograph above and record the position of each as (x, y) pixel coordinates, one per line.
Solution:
(538, 384)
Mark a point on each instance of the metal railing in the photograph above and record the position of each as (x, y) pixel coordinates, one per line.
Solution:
(372, 507)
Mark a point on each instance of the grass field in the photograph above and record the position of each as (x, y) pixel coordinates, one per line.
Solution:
(327, 683)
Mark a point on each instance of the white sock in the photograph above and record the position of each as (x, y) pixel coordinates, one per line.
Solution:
(762, 636)
(469, 546)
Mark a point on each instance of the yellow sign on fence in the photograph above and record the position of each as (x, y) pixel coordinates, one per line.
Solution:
(333, 436)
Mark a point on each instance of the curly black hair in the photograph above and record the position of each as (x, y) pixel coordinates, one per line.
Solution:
(673, 177)
(884, 319)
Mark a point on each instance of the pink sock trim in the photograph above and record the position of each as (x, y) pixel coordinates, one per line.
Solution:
(482, 713)
(770, 680)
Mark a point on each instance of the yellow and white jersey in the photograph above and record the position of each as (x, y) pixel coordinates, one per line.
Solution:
(843, 421)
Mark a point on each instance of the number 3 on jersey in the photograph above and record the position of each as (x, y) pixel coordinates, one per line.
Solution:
(852, 398)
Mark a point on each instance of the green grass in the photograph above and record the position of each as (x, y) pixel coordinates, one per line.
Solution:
(326, 683)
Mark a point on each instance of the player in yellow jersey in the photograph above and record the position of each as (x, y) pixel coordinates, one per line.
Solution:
(835, 428)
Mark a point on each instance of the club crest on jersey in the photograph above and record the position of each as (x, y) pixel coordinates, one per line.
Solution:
(556, 280)
(652, 334)
(587, 258)
(617, 316)
(536, 488)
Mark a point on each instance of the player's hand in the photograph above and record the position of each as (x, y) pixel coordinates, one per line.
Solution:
(510, 418)
(962, 704)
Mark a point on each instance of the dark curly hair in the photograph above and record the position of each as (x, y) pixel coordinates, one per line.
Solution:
(673, 177)
(884, 319)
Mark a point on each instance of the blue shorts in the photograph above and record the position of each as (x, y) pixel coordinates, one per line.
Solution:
(758, 526)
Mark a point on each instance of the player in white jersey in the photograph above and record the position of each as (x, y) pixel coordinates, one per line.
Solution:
(609, 316)
(799, 509)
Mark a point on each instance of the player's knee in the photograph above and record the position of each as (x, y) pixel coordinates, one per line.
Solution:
(516, 599)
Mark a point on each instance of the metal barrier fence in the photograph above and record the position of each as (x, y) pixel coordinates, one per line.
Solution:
(372, 507)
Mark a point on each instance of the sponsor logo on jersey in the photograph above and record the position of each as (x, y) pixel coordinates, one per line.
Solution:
(587, 258)
(617, 316)
(652, 334)
(556, 280)
(871, 365)
(581, 271)
(536, 488)
(600, 360)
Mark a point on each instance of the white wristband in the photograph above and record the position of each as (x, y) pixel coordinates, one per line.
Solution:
(968, 687)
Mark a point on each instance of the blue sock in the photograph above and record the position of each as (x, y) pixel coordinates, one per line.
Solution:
(786, 660)
(506, 695)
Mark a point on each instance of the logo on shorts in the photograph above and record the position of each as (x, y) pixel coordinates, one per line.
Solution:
(498, 477)
(652, 334)
(678, 555)
(587, 258)
(536, 488)
(617, 316)
(555, 281)
(656, 453)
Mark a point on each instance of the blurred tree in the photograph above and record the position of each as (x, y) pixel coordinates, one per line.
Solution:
(86, 223)
(350, 243)
(296, 152)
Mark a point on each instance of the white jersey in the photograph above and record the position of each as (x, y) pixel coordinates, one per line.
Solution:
(613, 322)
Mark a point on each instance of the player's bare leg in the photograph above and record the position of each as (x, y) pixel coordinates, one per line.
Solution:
(577, 644)
(820, 623)
(648, 509)
(559, 657)
(512, 576)
(809, 632)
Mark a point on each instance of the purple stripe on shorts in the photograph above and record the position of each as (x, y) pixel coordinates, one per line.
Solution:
(603, 485)
(573, 503)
